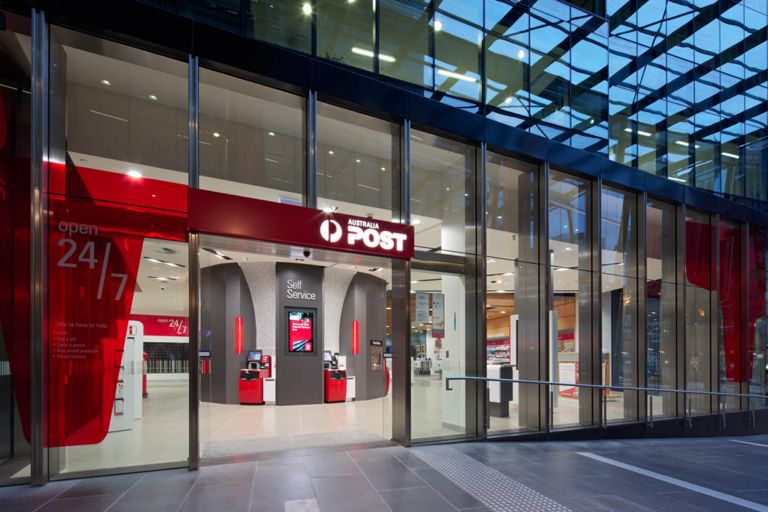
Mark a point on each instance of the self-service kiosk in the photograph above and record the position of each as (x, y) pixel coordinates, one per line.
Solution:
(251, 384)
(334, 380)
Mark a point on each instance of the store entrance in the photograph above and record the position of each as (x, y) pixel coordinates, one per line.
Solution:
(295, 348)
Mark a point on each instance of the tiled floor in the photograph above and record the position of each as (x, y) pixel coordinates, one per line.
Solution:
(680, 475)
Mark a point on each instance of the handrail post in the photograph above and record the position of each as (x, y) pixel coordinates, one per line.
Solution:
(604, 402)
(550, 409)
(649, 412)
(688, 410)
(722, 412)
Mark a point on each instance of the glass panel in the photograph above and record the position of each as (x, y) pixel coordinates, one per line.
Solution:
(286, 23)
(442, 198)
(358, 159)
(126, 111)
(116, 263)
(730, 335)
(757, 335)
(506, 64)
(251, 139)
(404, 41)
(457, 57)
(15, 105)
(512, 318)
(661, 305)
(698, 311)
(570, 243)
(345, 32)
(619, 302)
(439, 349)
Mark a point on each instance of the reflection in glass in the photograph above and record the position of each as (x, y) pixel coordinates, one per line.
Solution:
(286, 23)
(15, 279)
(698, 314)
(251, 139)
(345, 32)
(570, 247)
(404, 41)
(661, 305)
(512, 316)
(442, 198)
(730, 295)
(618, 221)
(757, 332)
(457, 57)
(439, 349)
(358, 159)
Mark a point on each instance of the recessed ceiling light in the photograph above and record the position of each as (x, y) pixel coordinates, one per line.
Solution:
(503, 312)
(134, 174)
(438, 26)
(330, 209)
(520, 54)
(216, 134)
(415, 222)
(508, 274)
(414, 282)
(271, 134)
(357, 160)
(106, 82)
(330, 152)
(152, 97)
(383, 169)
(306, 8)
(491, 261)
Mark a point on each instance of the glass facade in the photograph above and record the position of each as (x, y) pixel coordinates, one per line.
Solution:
(667, 87)
(524, 267)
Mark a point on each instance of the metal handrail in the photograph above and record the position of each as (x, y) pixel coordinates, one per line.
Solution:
(604, 423)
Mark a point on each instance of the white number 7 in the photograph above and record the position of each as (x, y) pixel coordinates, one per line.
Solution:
(120, 288)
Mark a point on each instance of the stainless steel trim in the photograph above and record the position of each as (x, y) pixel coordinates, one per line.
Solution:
(193, 99)
(38, 189)
(194, 350)
(310, 178)
(481, 409)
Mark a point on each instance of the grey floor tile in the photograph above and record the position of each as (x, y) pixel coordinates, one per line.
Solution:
(347, 494)
(23, 498)
(703, 502)
(239, 473)
(389, 473)
(117, 484)
(331, 464)
(415, 500)
(97, 503)
(218, 497)
(447, 489)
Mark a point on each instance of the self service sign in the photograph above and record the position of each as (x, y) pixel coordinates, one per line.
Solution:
(220, 214)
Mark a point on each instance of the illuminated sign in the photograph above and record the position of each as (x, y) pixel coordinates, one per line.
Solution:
(364, 233)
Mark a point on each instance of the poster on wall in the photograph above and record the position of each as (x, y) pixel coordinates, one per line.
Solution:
(422, 308)
(438, 315)
(300, 331)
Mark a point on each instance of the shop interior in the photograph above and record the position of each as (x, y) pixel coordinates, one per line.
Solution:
(295, 349)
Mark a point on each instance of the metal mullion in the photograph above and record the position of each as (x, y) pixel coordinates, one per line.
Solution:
(714, 316)
(745, 342)
(546, 298)
(480, 286)
(597, 298)
(680, 309)
(39, 471)
(193, 267)
(310, 175)
(401, 302)
(376, 43)
(642, 302)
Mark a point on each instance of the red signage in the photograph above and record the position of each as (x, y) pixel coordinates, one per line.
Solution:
(300, 337)
(223, 214)
(158, 325)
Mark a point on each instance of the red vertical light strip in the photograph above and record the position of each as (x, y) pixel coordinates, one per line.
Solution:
(238, 335)
(355, 337)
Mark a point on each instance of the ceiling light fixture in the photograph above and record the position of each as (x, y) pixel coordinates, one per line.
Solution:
(415, 222)
(106, 82)
(306, 8)
(134, 174)
(730, 155)
(216, 134)
(152, 97)
(438, 26)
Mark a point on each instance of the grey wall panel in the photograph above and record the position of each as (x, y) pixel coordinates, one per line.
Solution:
(366, 302)
(224, 295)
(262, 283)
(299, 376)
(335, 285)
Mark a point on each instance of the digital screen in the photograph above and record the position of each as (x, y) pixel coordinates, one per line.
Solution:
(300, 331)
(254, 355)
(327, 356)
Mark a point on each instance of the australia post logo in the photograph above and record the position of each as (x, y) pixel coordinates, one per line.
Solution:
(357, 232)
